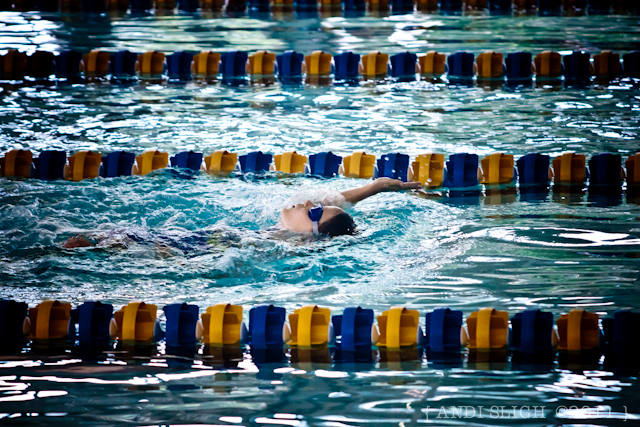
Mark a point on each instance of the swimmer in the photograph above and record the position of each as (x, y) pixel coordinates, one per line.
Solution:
(320, 212)
(323, 212)
(164, 244)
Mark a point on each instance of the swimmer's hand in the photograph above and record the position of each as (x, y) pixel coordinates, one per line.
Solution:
(388, 184)
(380, 185)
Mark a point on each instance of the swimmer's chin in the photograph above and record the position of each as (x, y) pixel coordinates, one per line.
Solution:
(283, 228)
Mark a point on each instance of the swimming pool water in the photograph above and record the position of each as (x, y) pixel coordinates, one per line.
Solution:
(500, 250)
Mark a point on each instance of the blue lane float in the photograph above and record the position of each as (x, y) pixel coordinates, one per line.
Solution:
(93, 5)
(518, 66)
(290, 65)
(442, 330)
(577, 67)
(94, 323)
(353, 328)
(604, 170)
(266, 323)
(49, 165)
(259, 5)
(403, 64)
(236, 5)
(599, 7)
(306, 5)
(12, 318)
(179, 65)
(620, 333)
(325, 164)
(233, 64)
(354, 5)
(68, 64)
(40, 64)
(402, 5)
(346, 66)
(140, 5)
(255, 162)
(532, 331)
(118, 163)
(187, 160)
(123, 64)
(461, 171)
(549, 7)
(394, 165)
(451, 5)
(533, 169)
(181, 324)
(631, 64)
(460, 65)
(189, 5)
(500, 6)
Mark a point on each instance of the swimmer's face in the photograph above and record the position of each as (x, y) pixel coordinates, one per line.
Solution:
(296, 218)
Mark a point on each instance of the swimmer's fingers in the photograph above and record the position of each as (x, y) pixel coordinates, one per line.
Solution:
(414, 185)
(388, 184)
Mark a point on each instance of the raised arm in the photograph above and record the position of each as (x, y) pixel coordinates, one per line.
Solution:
(378, 186)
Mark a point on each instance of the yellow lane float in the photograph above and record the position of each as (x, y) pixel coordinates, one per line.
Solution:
(96, 63)
(548, 64)
(150, 161)
(579, 330)
(262, 63)
(50, 320)
(222, 325)
(13, 64)
(497, 168)
(487, 329)
(569, 168)
(83, 165)
(490, 65)
(16, 163)
(318, 63)
(432, 63)
(206, 64)
(137, 322)
(310, 326)
(398, 327)
(221, 162)
(289, 162)
(374, 64)
(633, 170)
(428, 169)
(151, 63)
(606, 64)
(358, 165)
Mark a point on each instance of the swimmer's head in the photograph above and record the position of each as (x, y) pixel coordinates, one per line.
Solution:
(334, 221)
(338, 225)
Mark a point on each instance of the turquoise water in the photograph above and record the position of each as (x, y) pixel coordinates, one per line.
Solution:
(501, 250)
